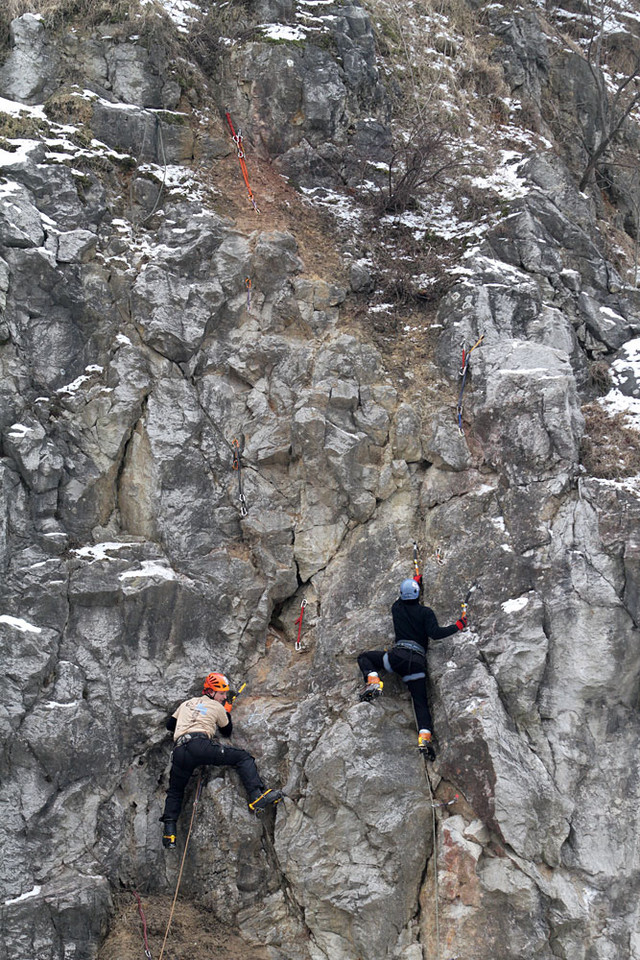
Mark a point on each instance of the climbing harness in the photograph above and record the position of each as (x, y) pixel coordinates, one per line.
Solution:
(298, 645)
(237, 465)
(237, 139)
(147, 952)
(184, 857)
(247, 283)
(466, 355)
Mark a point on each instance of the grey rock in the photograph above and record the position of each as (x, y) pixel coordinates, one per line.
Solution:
(131, 357)
(27, 72)
(76, 246)
(548, 431)
(603, 322)
(150, 136)
(446, 446)
(524, 53)
(360, 277)
(20, 221)
(363, 830)
(406, 433)
(173, 312)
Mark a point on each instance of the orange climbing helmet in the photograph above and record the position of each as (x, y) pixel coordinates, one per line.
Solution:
(216, 683)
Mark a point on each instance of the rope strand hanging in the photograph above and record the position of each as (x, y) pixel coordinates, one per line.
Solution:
(237, 139)
(237, 465)
(466, 355)
(435, 862)
(145, 939)
(298, 644)
(184, 857)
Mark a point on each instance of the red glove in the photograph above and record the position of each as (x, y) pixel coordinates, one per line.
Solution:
(418, 578)
(462, 622)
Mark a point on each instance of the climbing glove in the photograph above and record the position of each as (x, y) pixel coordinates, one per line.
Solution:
(462, 622)
(228, 705)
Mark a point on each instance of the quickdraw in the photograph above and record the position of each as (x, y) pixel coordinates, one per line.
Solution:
(237, 465)
(237, 139)
(466, 355)
(298, 645)
(437, 556)
(247, 283)
(416, 567)
(446, 803)
(147, 952)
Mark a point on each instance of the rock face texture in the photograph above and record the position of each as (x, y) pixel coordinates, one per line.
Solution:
(208, 417)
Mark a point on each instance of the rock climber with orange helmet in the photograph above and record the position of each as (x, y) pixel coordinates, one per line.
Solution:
(195, 726)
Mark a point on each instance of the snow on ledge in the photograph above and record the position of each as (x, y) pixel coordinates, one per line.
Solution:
(99, 551)
(23, 896)
(150, 568)
(514, 606)
(19, 624)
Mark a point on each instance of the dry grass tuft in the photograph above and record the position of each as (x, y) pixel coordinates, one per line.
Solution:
(58, 13)
(610, 448)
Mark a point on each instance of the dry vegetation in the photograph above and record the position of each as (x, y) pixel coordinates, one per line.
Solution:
(610, 448)
(194, 932)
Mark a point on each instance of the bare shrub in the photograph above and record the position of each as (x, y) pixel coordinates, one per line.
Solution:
(600, 376)
(428, 156)
(610, 447)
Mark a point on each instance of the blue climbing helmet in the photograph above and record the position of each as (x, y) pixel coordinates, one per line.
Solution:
(409, 590)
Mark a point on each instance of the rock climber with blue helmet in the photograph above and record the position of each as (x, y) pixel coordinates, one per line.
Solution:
(414, 625)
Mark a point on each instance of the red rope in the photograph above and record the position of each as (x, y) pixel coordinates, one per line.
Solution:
(237, 139)
(299, 623)
(144, 925)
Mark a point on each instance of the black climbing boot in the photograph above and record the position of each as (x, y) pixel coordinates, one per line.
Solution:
(372, 690)
(169, 833)
(263, 799)
(426, 746)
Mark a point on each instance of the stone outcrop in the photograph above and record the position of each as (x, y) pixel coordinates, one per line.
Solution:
(136, 361)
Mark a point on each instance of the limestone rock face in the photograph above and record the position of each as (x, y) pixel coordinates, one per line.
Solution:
(212, 447)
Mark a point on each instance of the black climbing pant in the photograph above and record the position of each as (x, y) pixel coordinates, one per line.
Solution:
(411, 668)
(204, 752)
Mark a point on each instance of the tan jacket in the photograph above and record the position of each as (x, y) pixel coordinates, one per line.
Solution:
(200, 715)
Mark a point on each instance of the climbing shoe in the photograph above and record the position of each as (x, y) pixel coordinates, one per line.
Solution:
(373, 688)
(263, 800)
(426, 745)
(169, 833)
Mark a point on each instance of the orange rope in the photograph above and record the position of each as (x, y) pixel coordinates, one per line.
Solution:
(237, 139)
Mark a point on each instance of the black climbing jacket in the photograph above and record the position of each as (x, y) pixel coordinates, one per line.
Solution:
(412, 621)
